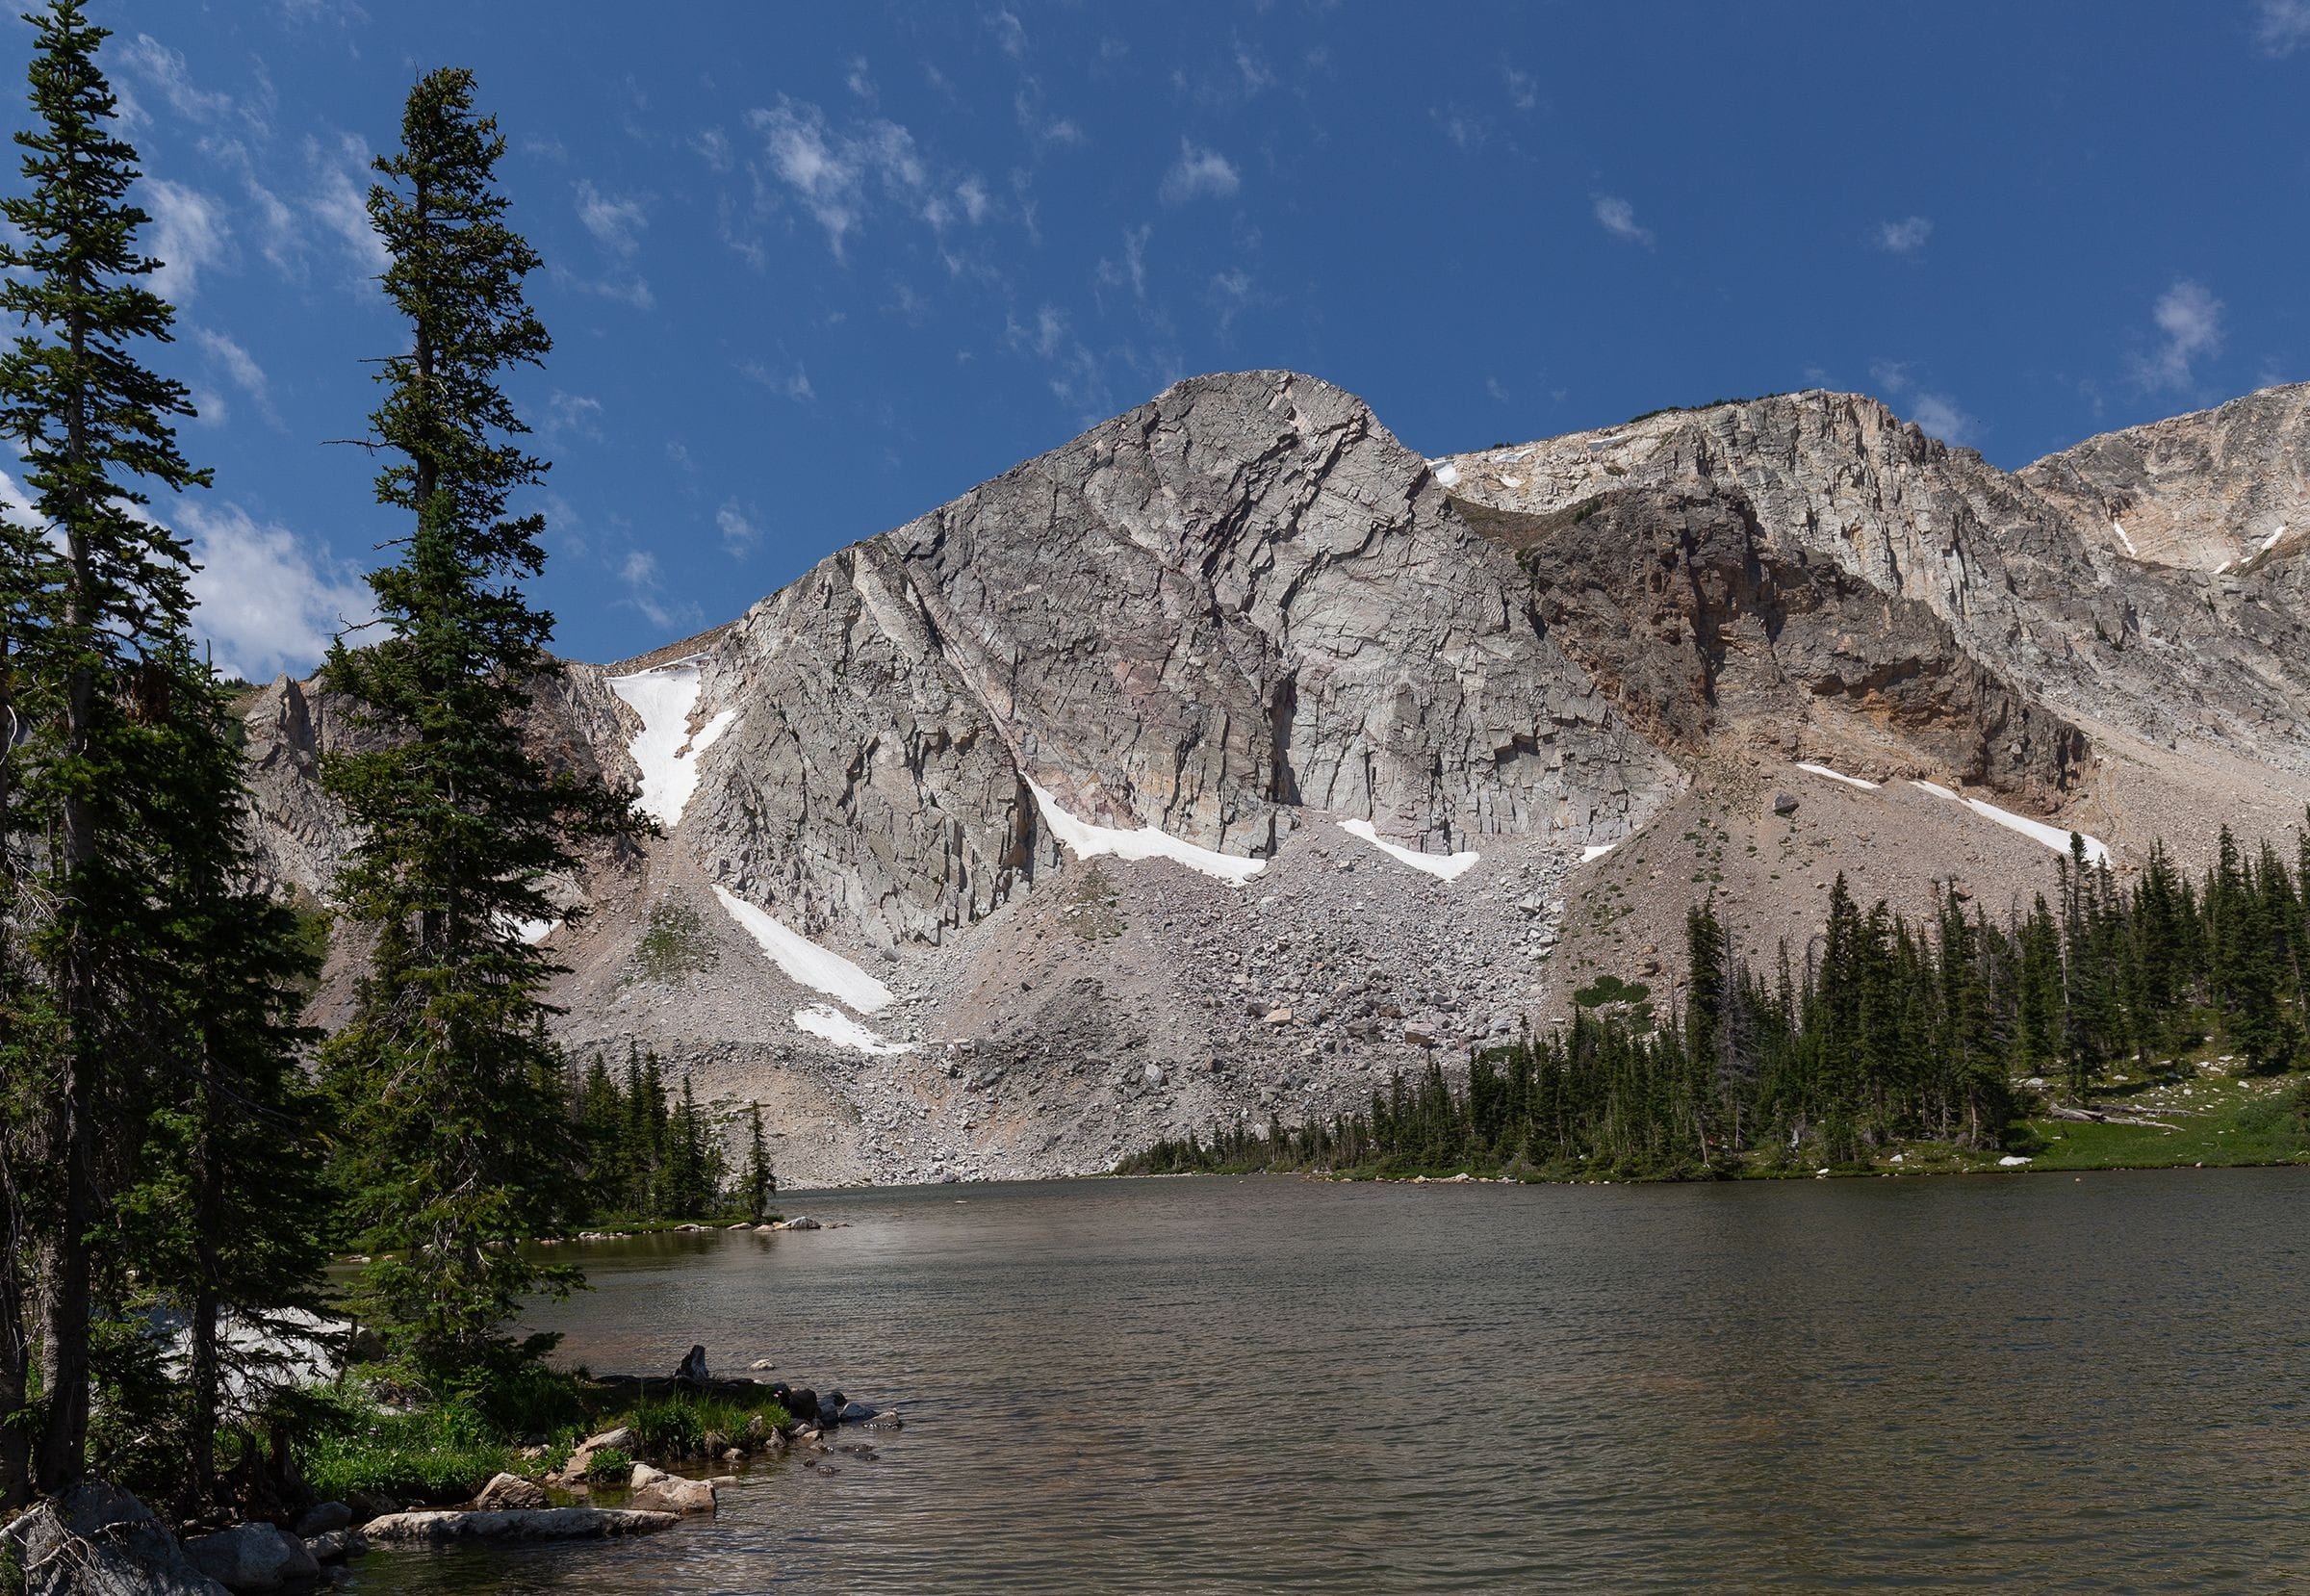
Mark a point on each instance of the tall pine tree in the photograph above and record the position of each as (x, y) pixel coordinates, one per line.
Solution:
(458, 1144)
(92, 603)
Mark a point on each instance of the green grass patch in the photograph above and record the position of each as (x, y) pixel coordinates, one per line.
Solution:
(434, 1454)
(2216, 1120)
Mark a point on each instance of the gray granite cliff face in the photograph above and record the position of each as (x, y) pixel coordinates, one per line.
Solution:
(1486, 724)
(1239, 602)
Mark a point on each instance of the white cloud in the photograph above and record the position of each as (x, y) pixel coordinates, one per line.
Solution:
(859, 81)
(615, 222)
(739, 533)
(1936, 413)
(165, 70)
(835, 174)
(712, 146)
(2189, 320)
(1493, 387)
(1904, 236)
(1199, 174)
(1461, 128)
(1524, 92)
(1618, 218)
(794, 384)
(2283, 27)
(241, 367)
(1230, 293)
(975, 201)
(572, 415)
(266, 603)
(1010, 36)
(1133, 267)
(340, 200)
(645, 590)
(188, 233)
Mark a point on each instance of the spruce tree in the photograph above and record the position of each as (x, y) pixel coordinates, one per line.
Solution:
(91, 603)
(759, 1183)
(458, 1147)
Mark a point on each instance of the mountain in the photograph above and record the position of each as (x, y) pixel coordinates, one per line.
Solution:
(1229, 759)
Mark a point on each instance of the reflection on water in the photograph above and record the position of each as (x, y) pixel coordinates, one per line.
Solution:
(1270, 1384)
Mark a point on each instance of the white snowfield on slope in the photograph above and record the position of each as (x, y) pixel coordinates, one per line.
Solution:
(805, 962)
(1089, 842)
(664, 751)
(2053, 836)
(834, 1026)
(1443, 866)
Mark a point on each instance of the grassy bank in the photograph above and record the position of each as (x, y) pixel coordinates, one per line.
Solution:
(355, 1443)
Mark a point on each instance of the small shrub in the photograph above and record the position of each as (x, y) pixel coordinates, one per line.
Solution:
(609, 1464)
(676, 946)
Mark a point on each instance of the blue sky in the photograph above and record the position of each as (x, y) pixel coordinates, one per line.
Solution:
(815, 270)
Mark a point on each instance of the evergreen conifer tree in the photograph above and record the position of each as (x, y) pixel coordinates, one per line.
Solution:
(759, 1183)
(91, 599)
(458, 1148)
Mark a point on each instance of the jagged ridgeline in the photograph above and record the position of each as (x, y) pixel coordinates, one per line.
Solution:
(1222, 762)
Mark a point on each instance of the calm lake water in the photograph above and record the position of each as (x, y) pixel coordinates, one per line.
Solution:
(2035, 1382)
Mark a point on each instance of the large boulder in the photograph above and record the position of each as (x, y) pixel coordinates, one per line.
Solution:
(510, 1490)
(670, 1493)
(441, 1528)
(325, 1519)
(254, 1556)
(336, 1545)
(95, 1540)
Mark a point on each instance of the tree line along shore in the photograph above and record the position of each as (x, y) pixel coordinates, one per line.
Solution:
(2161, 1022)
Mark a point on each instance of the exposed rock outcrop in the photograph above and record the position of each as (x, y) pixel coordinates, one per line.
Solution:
(1230, 757)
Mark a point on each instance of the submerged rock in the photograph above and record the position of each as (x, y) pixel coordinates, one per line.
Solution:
(254, 1556)
(440, 1528)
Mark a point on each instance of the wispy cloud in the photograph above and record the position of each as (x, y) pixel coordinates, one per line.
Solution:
(164, 71)
(1009, 35)
(1199, 174)
(1618, 218)
(837, 174)
(1463, 128)
(1936, 413)
(792, 384)
(339, 199)
(190, 233)
(1904, 236)
(266, 602)
(646, 591)
(572, 416)
(739, 529)
(2283, 27)
(1524, 90)
(2188, 322)
(241, 368)
(616, 222)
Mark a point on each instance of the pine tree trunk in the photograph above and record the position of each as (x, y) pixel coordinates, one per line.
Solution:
(64, 1444)
(201, 1374)
(16, 1360)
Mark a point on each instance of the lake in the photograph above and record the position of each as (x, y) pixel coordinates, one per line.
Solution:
(2027, 1381)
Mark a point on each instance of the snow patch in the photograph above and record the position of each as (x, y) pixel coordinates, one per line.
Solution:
(2053, 836)
(2119, 527)
(664, 751)
(534, 931)
(842, 1031)
(805, 964)
(1838, 776)
(2223, 568)
(2271, 542)
(1449, 474)
(1443, 866)
(1082, 838)
(1596, 850)
(2011, 1161)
